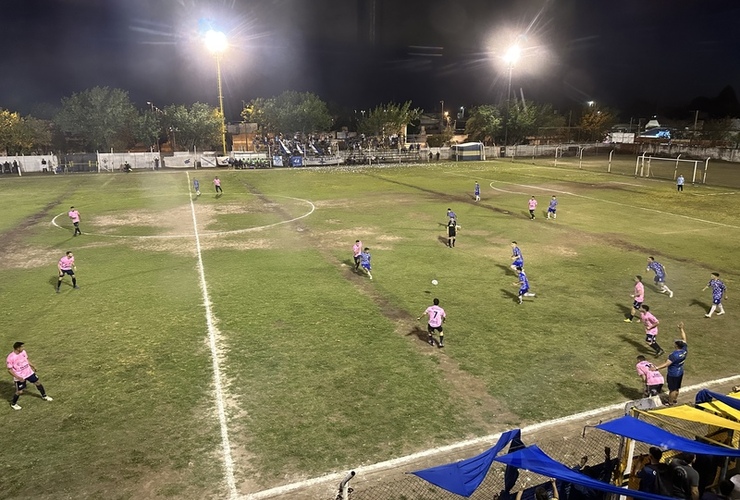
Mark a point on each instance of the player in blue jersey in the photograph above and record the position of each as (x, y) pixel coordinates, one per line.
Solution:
(196, 187)
(718, 293)
(516, 257)
(477, 191)
(365, 262)
(659, 270)
(523, 285)
(553, 207)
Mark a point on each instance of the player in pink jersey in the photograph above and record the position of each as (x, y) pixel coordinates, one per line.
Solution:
(651, 329)
(356, 252)
(67, 266)
(638, 297)
(75, 216)
(652, 379)
(22, 371)
(217, 185)
(532, 207)
(437, 316)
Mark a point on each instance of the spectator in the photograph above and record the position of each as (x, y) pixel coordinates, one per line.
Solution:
(649, 473)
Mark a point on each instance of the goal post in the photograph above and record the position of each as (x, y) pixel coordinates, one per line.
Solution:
(670, 168)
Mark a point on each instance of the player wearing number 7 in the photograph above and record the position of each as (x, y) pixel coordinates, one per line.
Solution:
(67, 266)
(437, 316)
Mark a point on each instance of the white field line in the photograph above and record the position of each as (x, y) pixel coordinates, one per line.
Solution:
(592, 198)
(713, 194)
(490, 439)
(626, 184)
(213, 333)
(207, 233)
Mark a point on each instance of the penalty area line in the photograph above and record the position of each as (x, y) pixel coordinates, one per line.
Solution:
(485, 440)
(212, 341)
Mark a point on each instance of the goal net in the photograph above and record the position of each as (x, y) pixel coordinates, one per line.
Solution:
(693, 171)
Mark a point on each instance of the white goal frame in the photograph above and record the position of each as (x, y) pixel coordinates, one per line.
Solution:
(643, 167)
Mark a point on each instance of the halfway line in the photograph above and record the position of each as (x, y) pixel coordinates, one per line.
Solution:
(212, 334)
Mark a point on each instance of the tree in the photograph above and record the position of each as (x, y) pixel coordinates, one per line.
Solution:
(23, 135)
(484, 124)
(596, 122)
(197, 127)
(388, 119)
(526, 118)
(147, 128)
(10, 123)
(719, 130)
(35, 135)
(99, 118)
(288, 113)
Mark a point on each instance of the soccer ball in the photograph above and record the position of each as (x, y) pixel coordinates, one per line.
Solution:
(435, 282)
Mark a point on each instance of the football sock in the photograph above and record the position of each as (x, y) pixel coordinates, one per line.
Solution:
(630, 317)
(441, 339)
(15, 398)
(711, 311)
(74, 281)
(721, 308)
(41, 390)
(656, 347)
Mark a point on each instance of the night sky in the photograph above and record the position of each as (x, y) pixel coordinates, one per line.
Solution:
(637, 56)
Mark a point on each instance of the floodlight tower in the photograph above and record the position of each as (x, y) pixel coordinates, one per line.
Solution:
(216, 43)
(510, 58)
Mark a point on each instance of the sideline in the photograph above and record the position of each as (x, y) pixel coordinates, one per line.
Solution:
(490, 439)
(213, 333)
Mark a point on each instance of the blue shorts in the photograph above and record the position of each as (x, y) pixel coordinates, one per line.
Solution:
(716, 301)
(21, 384)
(518, 263)
(659, 279)
(523, 290)
(366, 265)
(674, 383)
(551, 210)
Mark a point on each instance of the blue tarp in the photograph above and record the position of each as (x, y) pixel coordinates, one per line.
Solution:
(534, 459)
(465, 476)
(647, 433)
(731, 402)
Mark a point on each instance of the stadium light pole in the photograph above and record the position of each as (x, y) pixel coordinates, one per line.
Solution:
(510, 58)
(216, 43)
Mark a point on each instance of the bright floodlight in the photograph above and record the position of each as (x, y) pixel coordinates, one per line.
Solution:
(216, 42)
(512, 55)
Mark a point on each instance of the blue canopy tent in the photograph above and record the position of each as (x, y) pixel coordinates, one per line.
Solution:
(644, 432)
(464, 477)
(532, 458)
(705, 395)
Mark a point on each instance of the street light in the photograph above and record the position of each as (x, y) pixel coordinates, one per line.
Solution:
(217, 44)
(442, 120)
(510, 58)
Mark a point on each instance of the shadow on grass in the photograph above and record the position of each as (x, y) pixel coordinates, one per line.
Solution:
(626, 310)
(509, 294)
(699, 303)
(506, 269)
(629, 392)
(7, 389)
(640, 346)
(419, 333)
(63, 243)
(442, 239)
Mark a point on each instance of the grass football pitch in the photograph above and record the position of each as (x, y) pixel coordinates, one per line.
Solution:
(321, 369)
